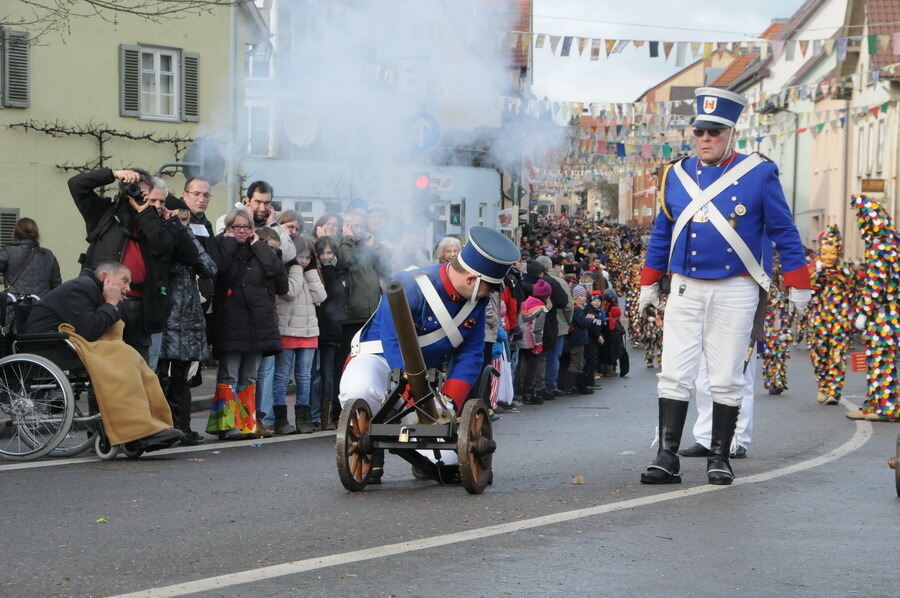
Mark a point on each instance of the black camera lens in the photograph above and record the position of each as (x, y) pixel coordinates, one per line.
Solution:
(133, 190)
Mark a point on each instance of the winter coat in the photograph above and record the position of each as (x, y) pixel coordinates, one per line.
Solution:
(332, 311)
(492, 318)
(580, 327)
(110, 224)
(296, 309)
(531, 319)
(184, 338)
(39, 277)
(243, 307)
(362, 267)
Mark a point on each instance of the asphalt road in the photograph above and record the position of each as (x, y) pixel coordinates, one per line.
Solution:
(814, 512)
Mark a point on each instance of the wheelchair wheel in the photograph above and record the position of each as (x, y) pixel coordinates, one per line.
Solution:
(475, 447)
(104, 449)
(354, 457)
(129, 454)
(37, 404)
(78, 439)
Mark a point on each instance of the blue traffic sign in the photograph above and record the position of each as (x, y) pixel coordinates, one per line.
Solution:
(426, 132)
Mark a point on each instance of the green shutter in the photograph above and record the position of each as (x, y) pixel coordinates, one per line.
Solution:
(16, 69)
(129, 80)
(190, 86)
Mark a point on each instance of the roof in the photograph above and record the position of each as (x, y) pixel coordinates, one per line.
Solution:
(773, 29)
(878, 12)
(733, 70)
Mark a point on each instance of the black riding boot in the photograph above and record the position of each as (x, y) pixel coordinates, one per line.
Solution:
(724, 420)
(666, 468)
(377, 467)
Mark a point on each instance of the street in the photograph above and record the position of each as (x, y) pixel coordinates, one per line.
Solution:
(813, 512)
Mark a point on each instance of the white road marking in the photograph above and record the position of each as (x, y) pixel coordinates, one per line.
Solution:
(860, 437)
(213, 446)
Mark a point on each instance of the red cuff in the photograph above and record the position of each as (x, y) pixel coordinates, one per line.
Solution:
(650, 276)
(457, 390)
(799, 278)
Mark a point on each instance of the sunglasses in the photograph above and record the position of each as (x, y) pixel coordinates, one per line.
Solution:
(712, 132)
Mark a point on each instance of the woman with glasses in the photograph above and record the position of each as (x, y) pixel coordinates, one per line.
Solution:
(245, 327)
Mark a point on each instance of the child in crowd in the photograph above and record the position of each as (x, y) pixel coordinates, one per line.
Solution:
(330, 314)
(532, 315)
(579, 338)
(299, 329)
(594, 309)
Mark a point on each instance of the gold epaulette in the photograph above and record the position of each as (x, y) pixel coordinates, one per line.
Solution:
(661, 190)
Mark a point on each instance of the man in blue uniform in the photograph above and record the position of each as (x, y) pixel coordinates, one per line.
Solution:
(718, 209)
(448, 304)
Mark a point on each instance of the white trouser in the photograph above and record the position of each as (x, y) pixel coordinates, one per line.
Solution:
(366, 377)
(712, 318)
(703, 425)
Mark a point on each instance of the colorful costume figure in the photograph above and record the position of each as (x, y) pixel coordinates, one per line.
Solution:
(636, 324)
(776, 346)
(878, 312)
(653, 340)
(830, 317)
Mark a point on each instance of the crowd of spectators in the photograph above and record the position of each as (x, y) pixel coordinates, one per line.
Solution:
(276, 306)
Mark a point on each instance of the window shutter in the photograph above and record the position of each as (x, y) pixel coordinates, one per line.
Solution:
(190, 86)
(16, 69)
(8, 219)
(129, 80)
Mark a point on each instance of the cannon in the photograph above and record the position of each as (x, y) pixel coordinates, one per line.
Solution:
(415, 417)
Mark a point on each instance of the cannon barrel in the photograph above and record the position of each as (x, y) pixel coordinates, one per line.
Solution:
(413, 362)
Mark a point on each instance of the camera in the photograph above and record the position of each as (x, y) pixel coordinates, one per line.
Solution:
(133, 190)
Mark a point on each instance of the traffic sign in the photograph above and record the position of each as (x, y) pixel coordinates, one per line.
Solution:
(426, 132)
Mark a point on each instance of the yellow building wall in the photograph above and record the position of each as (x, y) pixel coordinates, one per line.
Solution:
(75, 81)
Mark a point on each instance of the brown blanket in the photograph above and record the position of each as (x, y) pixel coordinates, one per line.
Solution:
(130, 398)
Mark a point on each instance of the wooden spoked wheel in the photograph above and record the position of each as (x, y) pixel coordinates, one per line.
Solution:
(353, 446)
(475, 447)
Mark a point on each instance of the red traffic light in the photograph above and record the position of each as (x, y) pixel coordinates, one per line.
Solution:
(423, 181)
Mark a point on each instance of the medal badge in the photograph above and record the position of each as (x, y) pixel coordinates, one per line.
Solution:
(702, 215)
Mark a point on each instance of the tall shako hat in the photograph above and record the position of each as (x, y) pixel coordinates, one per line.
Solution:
(488, 254)
(717, 108)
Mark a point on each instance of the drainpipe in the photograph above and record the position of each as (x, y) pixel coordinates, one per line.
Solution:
(845, 204)
(232, 162)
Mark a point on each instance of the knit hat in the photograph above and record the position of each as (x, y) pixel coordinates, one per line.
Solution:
(541, 289)
(534, 268)
(578, 291)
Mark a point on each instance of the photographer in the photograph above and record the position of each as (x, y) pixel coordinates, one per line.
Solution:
(126, 229)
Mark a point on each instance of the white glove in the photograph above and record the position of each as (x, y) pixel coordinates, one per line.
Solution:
(799, 298)
(649, 296)
(860, 322)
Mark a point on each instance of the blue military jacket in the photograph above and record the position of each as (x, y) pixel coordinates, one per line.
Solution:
(756, 205)
(465, 365)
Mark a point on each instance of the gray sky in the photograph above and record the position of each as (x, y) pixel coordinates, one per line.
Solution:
(623, 77)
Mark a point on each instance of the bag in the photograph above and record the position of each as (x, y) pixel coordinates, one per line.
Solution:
(502, 387)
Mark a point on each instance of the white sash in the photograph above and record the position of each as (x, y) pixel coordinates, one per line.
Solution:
(700, 198)
(449, 325)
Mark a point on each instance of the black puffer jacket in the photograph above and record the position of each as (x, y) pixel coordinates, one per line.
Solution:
(41, 275)
(332, 311)
(184, 338)
(244, 307)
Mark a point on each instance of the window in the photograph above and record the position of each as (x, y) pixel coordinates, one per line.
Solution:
(14, 69)
(159, 83)
(873, 150)
(258, 61)
(879, 148)
(860, 151)
(259, 131)
(158, 98)
(8, 219)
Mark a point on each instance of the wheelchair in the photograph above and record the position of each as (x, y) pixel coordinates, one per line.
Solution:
(45, 407)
